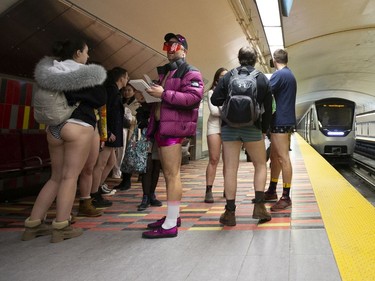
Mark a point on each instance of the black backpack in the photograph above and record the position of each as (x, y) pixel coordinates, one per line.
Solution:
(241, 107)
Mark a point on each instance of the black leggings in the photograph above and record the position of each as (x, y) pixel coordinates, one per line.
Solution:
(151, 177)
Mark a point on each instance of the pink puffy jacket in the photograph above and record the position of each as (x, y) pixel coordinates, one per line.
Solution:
(183, 92)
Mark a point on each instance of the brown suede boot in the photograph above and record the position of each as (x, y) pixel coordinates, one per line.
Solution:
(261, 213)
(35, 228)
(228, 218)
(63, 230)
(87, 209)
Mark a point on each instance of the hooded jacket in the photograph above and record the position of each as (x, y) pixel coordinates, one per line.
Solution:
(82, 85)
(183, 92)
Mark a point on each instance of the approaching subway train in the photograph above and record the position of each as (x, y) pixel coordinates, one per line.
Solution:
(329, 126)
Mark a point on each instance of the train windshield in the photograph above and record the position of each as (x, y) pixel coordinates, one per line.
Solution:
(335, 117)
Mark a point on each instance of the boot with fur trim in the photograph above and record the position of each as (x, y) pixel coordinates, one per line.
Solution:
(35, 228)
(63, 230)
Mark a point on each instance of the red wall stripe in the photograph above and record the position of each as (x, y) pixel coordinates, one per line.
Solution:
(12, 92)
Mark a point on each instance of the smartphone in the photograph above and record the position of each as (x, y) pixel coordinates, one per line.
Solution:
(271, 63)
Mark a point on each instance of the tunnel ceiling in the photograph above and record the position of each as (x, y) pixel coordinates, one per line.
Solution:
(330, 43)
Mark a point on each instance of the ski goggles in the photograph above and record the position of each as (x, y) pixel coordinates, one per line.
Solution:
(172, 47)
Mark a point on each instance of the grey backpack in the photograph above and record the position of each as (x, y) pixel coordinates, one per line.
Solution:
(241, 107)
(51, 107)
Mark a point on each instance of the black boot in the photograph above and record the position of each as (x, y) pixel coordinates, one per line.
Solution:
(154, 201)
(98, 201)
(144, 204)
(125, 184)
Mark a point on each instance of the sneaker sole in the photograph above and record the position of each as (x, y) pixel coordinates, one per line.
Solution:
(109, 194)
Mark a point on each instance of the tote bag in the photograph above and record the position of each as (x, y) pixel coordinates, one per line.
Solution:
(135, 159)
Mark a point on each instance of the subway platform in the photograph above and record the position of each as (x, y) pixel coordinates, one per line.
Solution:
(328, 234)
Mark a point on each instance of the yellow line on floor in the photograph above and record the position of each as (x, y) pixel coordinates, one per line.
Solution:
(132, 215)
(274, 224)
(205, 228)
(194, 210)
(348, 217)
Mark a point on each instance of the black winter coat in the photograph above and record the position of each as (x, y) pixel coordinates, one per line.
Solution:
(115, 116)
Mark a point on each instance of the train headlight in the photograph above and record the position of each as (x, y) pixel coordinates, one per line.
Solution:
(336, 133)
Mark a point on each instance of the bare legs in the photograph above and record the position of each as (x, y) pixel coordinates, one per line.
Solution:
(103, 167)
(231, 152)
(257, 152)
(67, 159)
(214, 151)
(170, 158)
(280, 156)
(86, 176)
(280, 160)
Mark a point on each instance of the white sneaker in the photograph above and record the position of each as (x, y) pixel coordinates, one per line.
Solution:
(106, 190)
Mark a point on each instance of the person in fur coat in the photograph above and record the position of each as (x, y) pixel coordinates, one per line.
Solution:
(69, 143)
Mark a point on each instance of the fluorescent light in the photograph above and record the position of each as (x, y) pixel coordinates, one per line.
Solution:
(269, 12)
(274, 35)
(270, 16)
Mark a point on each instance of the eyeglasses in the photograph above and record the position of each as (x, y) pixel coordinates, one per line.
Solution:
(172, 46)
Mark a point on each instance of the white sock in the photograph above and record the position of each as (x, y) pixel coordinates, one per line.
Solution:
(173, 212)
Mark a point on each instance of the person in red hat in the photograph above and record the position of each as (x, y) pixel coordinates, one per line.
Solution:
(180, 88)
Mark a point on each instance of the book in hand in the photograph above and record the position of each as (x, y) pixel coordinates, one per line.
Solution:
(142, 85)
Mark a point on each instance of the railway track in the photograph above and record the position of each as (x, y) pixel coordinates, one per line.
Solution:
(364, 169)
(361, 175)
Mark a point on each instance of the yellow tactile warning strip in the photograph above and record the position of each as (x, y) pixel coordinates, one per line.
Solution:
(348, 217)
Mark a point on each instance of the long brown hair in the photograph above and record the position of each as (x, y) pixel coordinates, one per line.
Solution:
(217, 77)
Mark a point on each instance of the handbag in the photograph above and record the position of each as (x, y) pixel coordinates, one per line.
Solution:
(135, 159)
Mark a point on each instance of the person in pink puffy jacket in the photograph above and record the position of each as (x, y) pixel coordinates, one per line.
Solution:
(180, 89)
